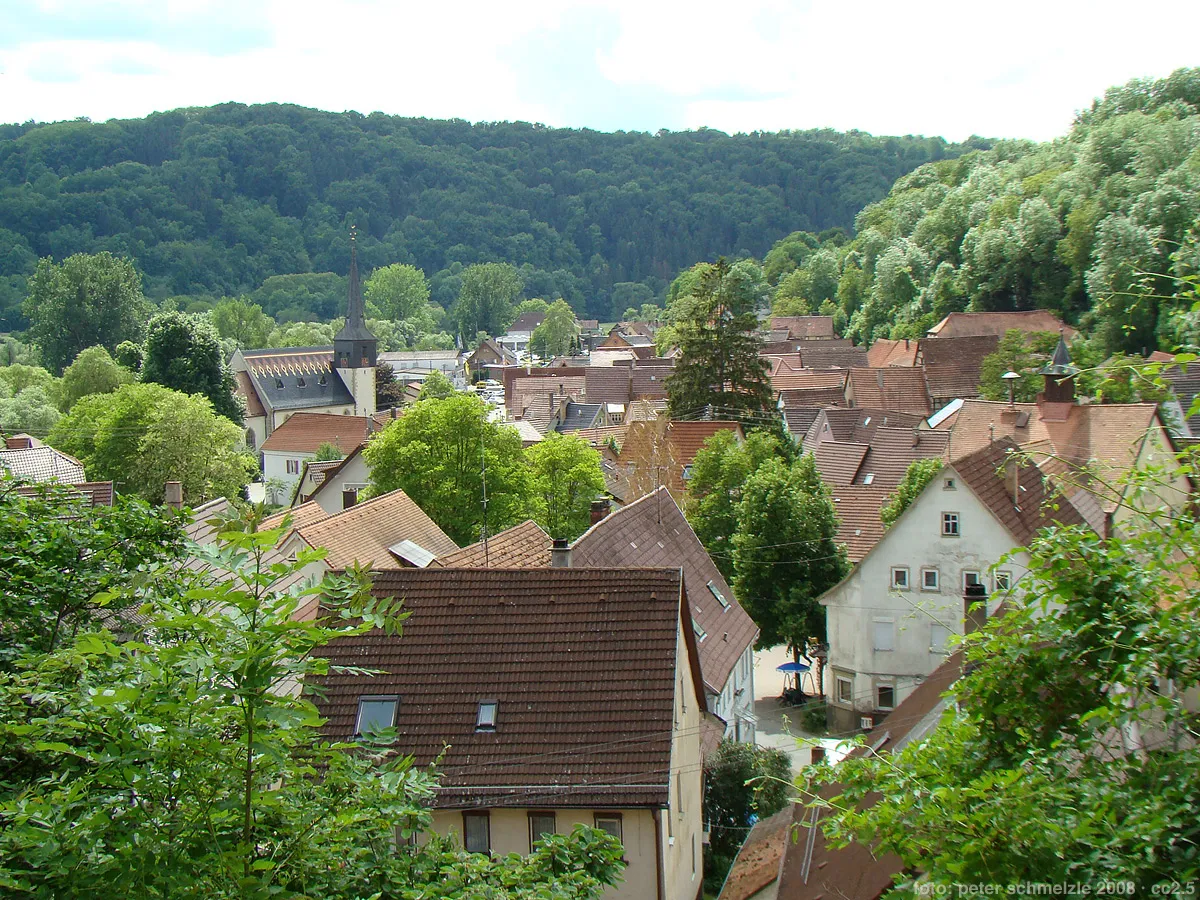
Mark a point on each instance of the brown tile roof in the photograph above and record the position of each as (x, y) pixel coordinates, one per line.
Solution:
(197, 528)
(645, 410)
(317, 470)
(247, 390)
(304, 432)
(530, 395)
(798, 419)
(804, 326)
(607, 384)
(838, 462)
(859, 525)
(523, 546)
(893, 388)
(833, 357)
(757, 862)
(598, 437)
(689, 437)
(892, 353)
(303, 515)
(653, 531)
(649, 382)
(582, 664)
(818, 397)
(892, 450)
(989, 472)
(953, 364)
(811, 868)
(330, 474)
(363, 533)
(808, 379)
(963, 324)
(95, 493)
(859, 424)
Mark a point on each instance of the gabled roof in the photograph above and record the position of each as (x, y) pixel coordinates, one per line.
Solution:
(489, 347)
(523, 546)
(953, 364)
(816, 357)
(39, 462)
(649, 382)
(580, 415)
(892, 353)
(808, 379)
(304, 432)
(307, 513)
(294, 378)
(364, 533)
(838, 462)
(804, 326)
(962, 324)
(331, 474)
(247, 391)
(893, 449)
(527, 321)
(653, 531)
(94, 493)
(859, 526)
(893, 388)
(582, 665)
(757, 862)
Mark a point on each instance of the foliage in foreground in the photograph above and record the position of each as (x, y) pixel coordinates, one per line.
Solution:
(1072, 756)
(180, 764)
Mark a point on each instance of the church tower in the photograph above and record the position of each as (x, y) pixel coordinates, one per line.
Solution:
(354, 347)
(1059, 376)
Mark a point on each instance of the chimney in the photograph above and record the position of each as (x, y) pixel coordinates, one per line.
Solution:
(560, 554)
(974, 608)
(879, 379)
(174, 494)
(19, 442)
(395, 413)
(599, 509)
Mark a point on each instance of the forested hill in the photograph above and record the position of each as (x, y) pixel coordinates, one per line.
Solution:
(213, 201)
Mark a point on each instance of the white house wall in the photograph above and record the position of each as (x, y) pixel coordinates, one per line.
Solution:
(353, 474)
(735, 703)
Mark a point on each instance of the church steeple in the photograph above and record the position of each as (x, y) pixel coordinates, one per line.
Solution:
(1059, 375)
(354, 347)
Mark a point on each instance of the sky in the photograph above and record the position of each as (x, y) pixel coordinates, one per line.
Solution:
(1013, 69)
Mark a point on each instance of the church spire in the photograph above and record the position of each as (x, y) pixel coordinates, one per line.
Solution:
(354, 346)
(354, 306)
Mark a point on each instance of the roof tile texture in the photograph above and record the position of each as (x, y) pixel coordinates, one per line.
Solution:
(304, 432)
(364, 532)
(520, 547)
(804, 326)
(582, 664)
(893, 388)
(962, 324)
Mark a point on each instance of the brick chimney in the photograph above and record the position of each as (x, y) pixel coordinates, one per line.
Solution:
(599, 509)
(560, 554)
(18, 442)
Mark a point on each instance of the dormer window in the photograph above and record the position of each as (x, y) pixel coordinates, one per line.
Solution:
(870, 478)
(321, 380)
(300, 382)
(279, 382)
(485, 717)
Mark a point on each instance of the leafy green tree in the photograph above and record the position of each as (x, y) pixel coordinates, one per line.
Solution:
(389, 393)
(1066, 755)
(143, 435)
(85, 301)
(719, 474)
(94, 371)
(489, 291)
(18, 377)
(184, 354)
(439, 340)
(742, 784)
(435, 453)
(396, 292)
(557, 333)
(785, 552)
(719, 367)
(1019, 352)
(242, 322)
(327, 452)
(566, 478)
(302, 334)
(31, 411)
(63, 559)
(225, 786)
(916, 478)
(129, 356)
(436, 386)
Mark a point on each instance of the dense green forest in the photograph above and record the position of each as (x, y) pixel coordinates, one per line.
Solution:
(1101, 225)
(236, 199)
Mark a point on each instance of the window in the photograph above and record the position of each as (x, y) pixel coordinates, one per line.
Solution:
(540, 824)
(300, 382)
(870, 478)
(376, 714)
(929, 579)
(1003, 581)
(678, 794)
(885, 630)
(610, 822)
(715, 591)
(845, 690)
(948, 484)
(687, 473)
(970, 578)
(938, 634)
(293, 467)
(321, 380)
(477, 832)
(900, 578)
(701, 634)
(485, 718)
(950, 524)
(885, 696)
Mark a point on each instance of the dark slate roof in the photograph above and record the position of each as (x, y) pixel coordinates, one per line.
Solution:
(527, 322)
(1186, 387)
(355, 326)
(296, 378)
(580, 415)
(653, 532)
(582, 664)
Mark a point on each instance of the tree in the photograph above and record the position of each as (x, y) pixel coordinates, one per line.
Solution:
(327, 452)
(785, 553)
(31, 411)
(144, 435)
(1066, 755)
(242, 322)
(435, 453)
(719, 368)
(1019, 352)
(180, 762)
(743, 783)
(94, 371)
(396, 292)
(436, 386)
(85, 301)
(63, 558)
(719, 474)
(557, 332)
(566, 478)
(389, 392)
(184, 354)
(916, 477)
(488, 293)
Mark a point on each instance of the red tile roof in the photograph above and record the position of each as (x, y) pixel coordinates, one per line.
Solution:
(523, 546)
(808, 379)
(305, 514)
(304, 432)
(804, 326)
(582, 664)
(962, 324)
(892, 353)
(859, 525)
(838, 462)
(892, 388)
(363, 533)
(653, 531)
(757, 862)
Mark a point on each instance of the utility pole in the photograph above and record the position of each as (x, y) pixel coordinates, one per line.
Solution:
(483, 473)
